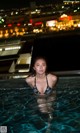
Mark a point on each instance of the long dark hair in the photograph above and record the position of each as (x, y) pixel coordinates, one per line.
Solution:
(33, 62)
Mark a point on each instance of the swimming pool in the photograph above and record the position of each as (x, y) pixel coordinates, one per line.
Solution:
(19, 111)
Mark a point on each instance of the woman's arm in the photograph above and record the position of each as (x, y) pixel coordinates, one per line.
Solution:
(54, 79)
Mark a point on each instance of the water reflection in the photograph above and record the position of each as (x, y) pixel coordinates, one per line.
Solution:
(20, 111)
(46, 107)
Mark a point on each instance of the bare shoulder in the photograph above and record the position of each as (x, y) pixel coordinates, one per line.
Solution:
(52, 79)
(30, 80)
(52, 76)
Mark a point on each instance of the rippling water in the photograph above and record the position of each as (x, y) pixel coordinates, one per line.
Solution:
(20, 113)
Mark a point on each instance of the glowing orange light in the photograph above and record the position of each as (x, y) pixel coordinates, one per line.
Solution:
(65, 17)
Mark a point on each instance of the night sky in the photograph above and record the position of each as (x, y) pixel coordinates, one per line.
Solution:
(24, 3)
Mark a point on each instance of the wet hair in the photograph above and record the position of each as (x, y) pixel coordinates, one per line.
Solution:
(34, 61)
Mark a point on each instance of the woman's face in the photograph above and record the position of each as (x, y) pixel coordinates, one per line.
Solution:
(40, 66)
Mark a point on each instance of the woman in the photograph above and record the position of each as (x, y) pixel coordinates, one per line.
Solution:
(42, 84)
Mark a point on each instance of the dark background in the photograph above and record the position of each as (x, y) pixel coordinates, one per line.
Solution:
(62, 52)
(8, 4)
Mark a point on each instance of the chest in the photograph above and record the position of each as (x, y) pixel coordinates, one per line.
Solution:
(41, 86)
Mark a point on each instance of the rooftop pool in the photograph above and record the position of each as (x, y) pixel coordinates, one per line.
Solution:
(20, 113)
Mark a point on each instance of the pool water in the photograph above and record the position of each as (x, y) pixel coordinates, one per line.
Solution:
(20, 113)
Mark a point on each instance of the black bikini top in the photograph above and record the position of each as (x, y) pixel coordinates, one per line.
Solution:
(47, 91)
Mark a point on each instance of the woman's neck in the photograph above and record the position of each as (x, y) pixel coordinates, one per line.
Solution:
(40, 76)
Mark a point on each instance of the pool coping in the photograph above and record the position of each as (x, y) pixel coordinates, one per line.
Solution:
(24, 75)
